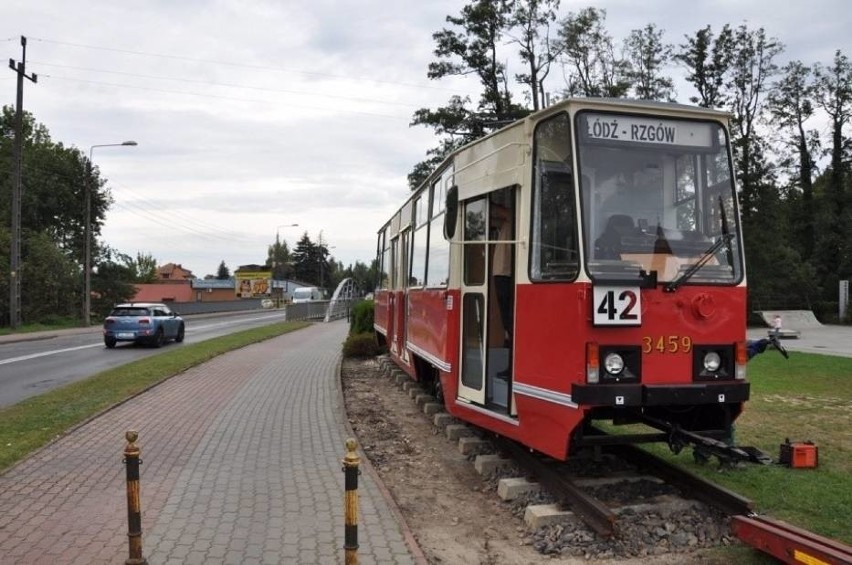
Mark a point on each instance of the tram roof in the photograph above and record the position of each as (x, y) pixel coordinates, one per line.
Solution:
(563, 105)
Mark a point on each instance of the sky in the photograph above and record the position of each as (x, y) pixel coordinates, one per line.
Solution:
(251, 116)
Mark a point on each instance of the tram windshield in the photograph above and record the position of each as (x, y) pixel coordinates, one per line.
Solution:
(657, 196)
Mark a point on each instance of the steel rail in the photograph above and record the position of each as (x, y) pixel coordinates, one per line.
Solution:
(789, 543)
(591, 511)
(694, 486)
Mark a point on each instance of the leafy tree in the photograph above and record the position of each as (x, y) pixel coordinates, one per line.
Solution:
(278, 259)
(54, 179)
(143, 268)
(791, 105)
(51, 280)
(707, 59)
(364, 277)
(469, 50)
(752, 65)
(834, 97)
(305, 261)
(648, 55)
(223, 273)
(113, 283)
(591, 65)
(530, 21)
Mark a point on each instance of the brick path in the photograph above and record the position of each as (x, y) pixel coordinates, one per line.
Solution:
(241, 464)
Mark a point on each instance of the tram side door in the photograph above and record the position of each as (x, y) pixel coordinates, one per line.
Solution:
(487, 295)
(401, 300)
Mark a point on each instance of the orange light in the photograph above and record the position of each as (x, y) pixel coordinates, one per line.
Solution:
(592, 362)
(742, 353)
(741, 360)
(592, 355)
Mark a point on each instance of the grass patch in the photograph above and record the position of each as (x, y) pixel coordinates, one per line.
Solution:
(808, 397)
(32, 423)
(52, 324)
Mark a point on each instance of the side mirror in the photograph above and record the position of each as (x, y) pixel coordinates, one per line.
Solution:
(452, 212)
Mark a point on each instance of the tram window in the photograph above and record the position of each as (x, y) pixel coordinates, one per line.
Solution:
(554, 253)
(393, 263)
(474, 230)
(419, 242)
(685, 193)
(439, 254)
(384, 258)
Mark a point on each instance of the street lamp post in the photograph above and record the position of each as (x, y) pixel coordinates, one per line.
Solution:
(87, 267)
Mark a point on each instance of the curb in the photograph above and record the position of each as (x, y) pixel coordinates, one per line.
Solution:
(407, 534)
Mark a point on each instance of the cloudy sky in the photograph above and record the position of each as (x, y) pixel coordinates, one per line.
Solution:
(254, 115)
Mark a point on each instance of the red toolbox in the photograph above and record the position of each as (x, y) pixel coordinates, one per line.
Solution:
(799, 455)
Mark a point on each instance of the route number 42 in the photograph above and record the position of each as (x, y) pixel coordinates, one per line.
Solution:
(617, 306)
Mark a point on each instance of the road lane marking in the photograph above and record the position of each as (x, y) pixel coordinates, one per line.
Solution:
(100, 343)
(46, 353)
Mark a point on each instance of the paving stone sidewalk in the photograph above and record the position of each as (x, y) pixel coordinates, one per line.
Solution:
(241, 463)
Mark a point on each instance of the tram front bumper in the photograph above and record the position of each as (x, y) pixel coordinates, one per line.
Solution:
(659, 395)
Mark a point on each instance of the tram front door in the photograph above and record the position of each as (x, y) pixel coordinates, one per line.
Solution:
(488, 290)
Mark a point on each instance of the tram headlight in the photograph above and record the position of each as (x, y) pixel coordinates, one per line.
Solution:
(712, 361)
(613, 363)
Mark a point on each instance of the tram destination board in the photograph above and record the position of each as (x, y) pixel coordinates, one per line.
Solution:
(619, 128)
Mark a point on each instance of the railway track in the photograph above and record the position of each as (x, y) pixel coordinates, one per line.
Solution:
(582, 494)
(598, 515)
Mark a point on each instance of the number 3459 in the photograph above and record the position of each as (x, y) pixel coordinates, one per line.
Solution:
(667, 344)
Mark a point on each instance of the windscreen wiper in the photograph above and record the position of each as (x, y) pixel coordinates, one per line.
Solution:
(706, 256)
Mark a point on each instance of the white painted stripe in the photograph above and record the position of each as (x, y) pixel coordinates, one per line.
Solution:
(440, 363)
(487, 412)
(543, 394)
(47, 353)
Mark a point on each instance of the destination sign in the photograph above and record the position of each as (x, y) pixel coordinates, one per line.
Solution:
(632, 129)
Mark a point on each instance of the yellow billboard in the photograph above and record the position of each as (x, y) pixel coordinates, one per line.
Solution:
(256, 284)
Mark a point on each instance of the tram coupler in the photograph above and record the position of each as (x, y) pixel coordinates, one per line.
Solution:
(704, 447)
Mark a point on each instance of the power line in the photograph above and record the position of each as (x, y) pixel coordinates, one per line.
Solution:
(230, 85)
(220, 97)
(241, 65)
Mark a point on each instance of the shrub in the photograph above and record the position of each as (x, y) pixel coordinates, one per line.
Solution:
(362, 344)
(362, 318)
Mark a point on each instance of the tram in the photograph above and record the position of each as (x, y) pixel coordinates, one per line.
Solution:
(582, 264)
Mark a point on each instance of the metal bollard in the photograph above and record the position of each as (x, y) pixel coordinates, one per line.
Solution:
(350, 469)
(134, 510)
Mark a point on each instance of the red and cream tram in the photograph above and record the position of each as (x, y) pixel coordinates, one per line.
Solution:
(584, 263)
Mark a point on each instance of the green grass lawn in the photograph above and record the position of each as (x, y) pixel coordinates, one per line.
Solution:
(30, 424)
(56, 324)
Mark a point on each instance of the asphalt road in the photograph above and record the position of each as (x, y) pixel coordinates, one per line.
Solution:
(824, 340)
(53, 359)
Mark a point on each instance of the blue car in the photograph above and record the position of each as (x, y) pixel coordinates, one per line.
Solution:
(143, 322)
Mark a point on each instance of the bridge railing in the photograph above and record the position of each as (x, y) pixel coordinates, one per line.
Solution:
(314, 310)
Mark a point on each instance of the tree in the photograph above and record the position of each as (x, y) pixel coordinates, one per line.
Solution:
(54, 181)
(469, 50)
(531, 19)
(752, 65)
(791, 105)
(143, 268)
(113, 283)
(591, 67)
(223, 273)
(305, 263)
(648, 56)
(834, 95)
(278, 259)
(707, 60)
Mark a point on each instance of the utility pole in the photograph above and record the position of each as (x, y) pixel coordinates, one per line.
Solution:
(17, 152)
